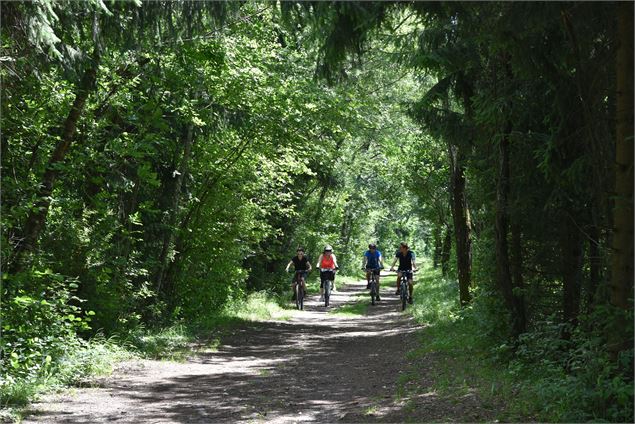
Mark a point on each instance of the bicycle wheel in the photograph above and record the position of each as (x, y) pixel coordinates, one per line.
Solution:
(373, 292)
(301, 298)
(297, 289)
(404, 297)
(327, 293)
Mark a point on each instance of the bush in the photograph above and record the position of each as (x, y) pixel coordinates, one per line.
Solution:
(40, 321)
(575, 380)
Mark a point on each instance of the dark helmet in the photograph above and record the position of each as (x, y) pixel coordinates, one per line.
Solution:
(372, 246)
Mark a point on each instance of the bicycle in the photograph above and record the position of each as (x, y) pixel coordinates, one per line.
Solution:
(403, 288)
(374, 289)
(299, 278)
(328, 285)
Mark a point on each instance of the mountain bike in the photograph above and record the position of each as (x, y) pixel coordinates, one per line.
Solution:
(328, 286)
(374, 286)
(403, 288)
(299, 278)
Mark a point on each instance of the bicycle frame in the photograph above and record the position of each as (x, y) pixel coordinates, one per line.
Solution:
(403, 287)
(299, 278)
(328, 285)
(374, 289)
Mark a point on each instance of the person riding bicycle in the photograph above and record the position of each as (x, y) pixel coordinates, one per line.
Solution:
(373, 262)
(407, 264)
(300, 263)
(328, 262)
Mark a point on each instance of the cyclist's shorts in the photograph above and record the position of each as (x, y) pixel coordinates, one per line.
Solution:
(297, 276)
(408, 273)
(375, 271)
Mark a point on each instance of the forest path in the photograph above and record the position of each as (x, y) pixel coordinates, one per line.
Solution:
(317, 367)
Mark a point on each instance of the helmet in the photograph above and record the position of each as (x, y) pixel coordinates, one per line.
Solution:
(372, 246)
(328, 248)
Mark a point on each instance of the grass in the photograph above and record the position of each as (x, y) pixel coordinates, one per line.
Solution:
(358, 307)
(453, 341)
(371, 410)
(77, 368)
(463, 357)
(175, 343)
(258, 306)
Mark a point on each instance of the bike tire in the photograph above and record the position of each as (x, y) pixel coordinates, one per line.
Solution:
(297, 297)
(301, 297)
(327, 293)
(404, 296)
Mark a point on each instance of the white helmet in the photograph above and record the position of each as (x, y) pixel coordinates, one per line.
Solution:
(328, 248)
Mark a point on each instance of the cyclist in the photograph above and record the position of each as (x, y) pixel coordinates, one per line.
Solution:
(373, 261)
(407, 264)
(300, 263)
(327, 261)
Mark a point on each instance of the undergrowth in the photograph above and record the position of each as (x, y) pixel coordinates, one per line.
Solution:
(539, 378)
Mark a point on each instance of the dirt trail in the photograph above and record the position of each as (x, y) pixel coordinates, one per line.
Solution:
(316, 367)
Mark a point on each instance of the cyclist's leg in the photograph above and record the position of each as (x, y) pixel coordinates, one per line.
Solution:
(332, 280)
(294, 281)
(377, 282)
(321, 285)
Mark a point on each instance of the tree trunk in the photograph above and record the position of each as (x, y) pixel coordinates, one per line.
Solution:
(461, 218)
(516, 262)
(318, 210)
(436, 256)
(175, 195)
(595, 266)
(37, 216)
(621, 284)
(503, 271)
(446, 250)
(571, 262)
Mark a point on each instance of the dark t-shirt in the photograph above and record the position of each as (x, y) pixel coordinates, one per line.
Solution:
(405, 261)
(300, 265)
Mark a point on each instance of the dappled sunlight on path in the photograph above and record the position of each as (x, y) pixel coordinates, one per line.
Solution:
(319, 366)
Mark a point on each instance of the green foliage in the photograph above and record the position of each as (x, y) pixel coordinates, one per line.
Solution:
(36, 331)
(94, 357)
(166, 343)
(77, 365)
(208, 150)
(541, 377)
(577, 379)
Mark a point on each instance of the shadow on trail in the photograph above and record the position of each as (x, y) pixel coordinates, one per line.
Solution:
(319, 366)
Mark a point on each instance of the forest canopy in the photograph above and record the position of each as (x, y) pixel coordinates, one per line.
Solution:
(163, 159)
